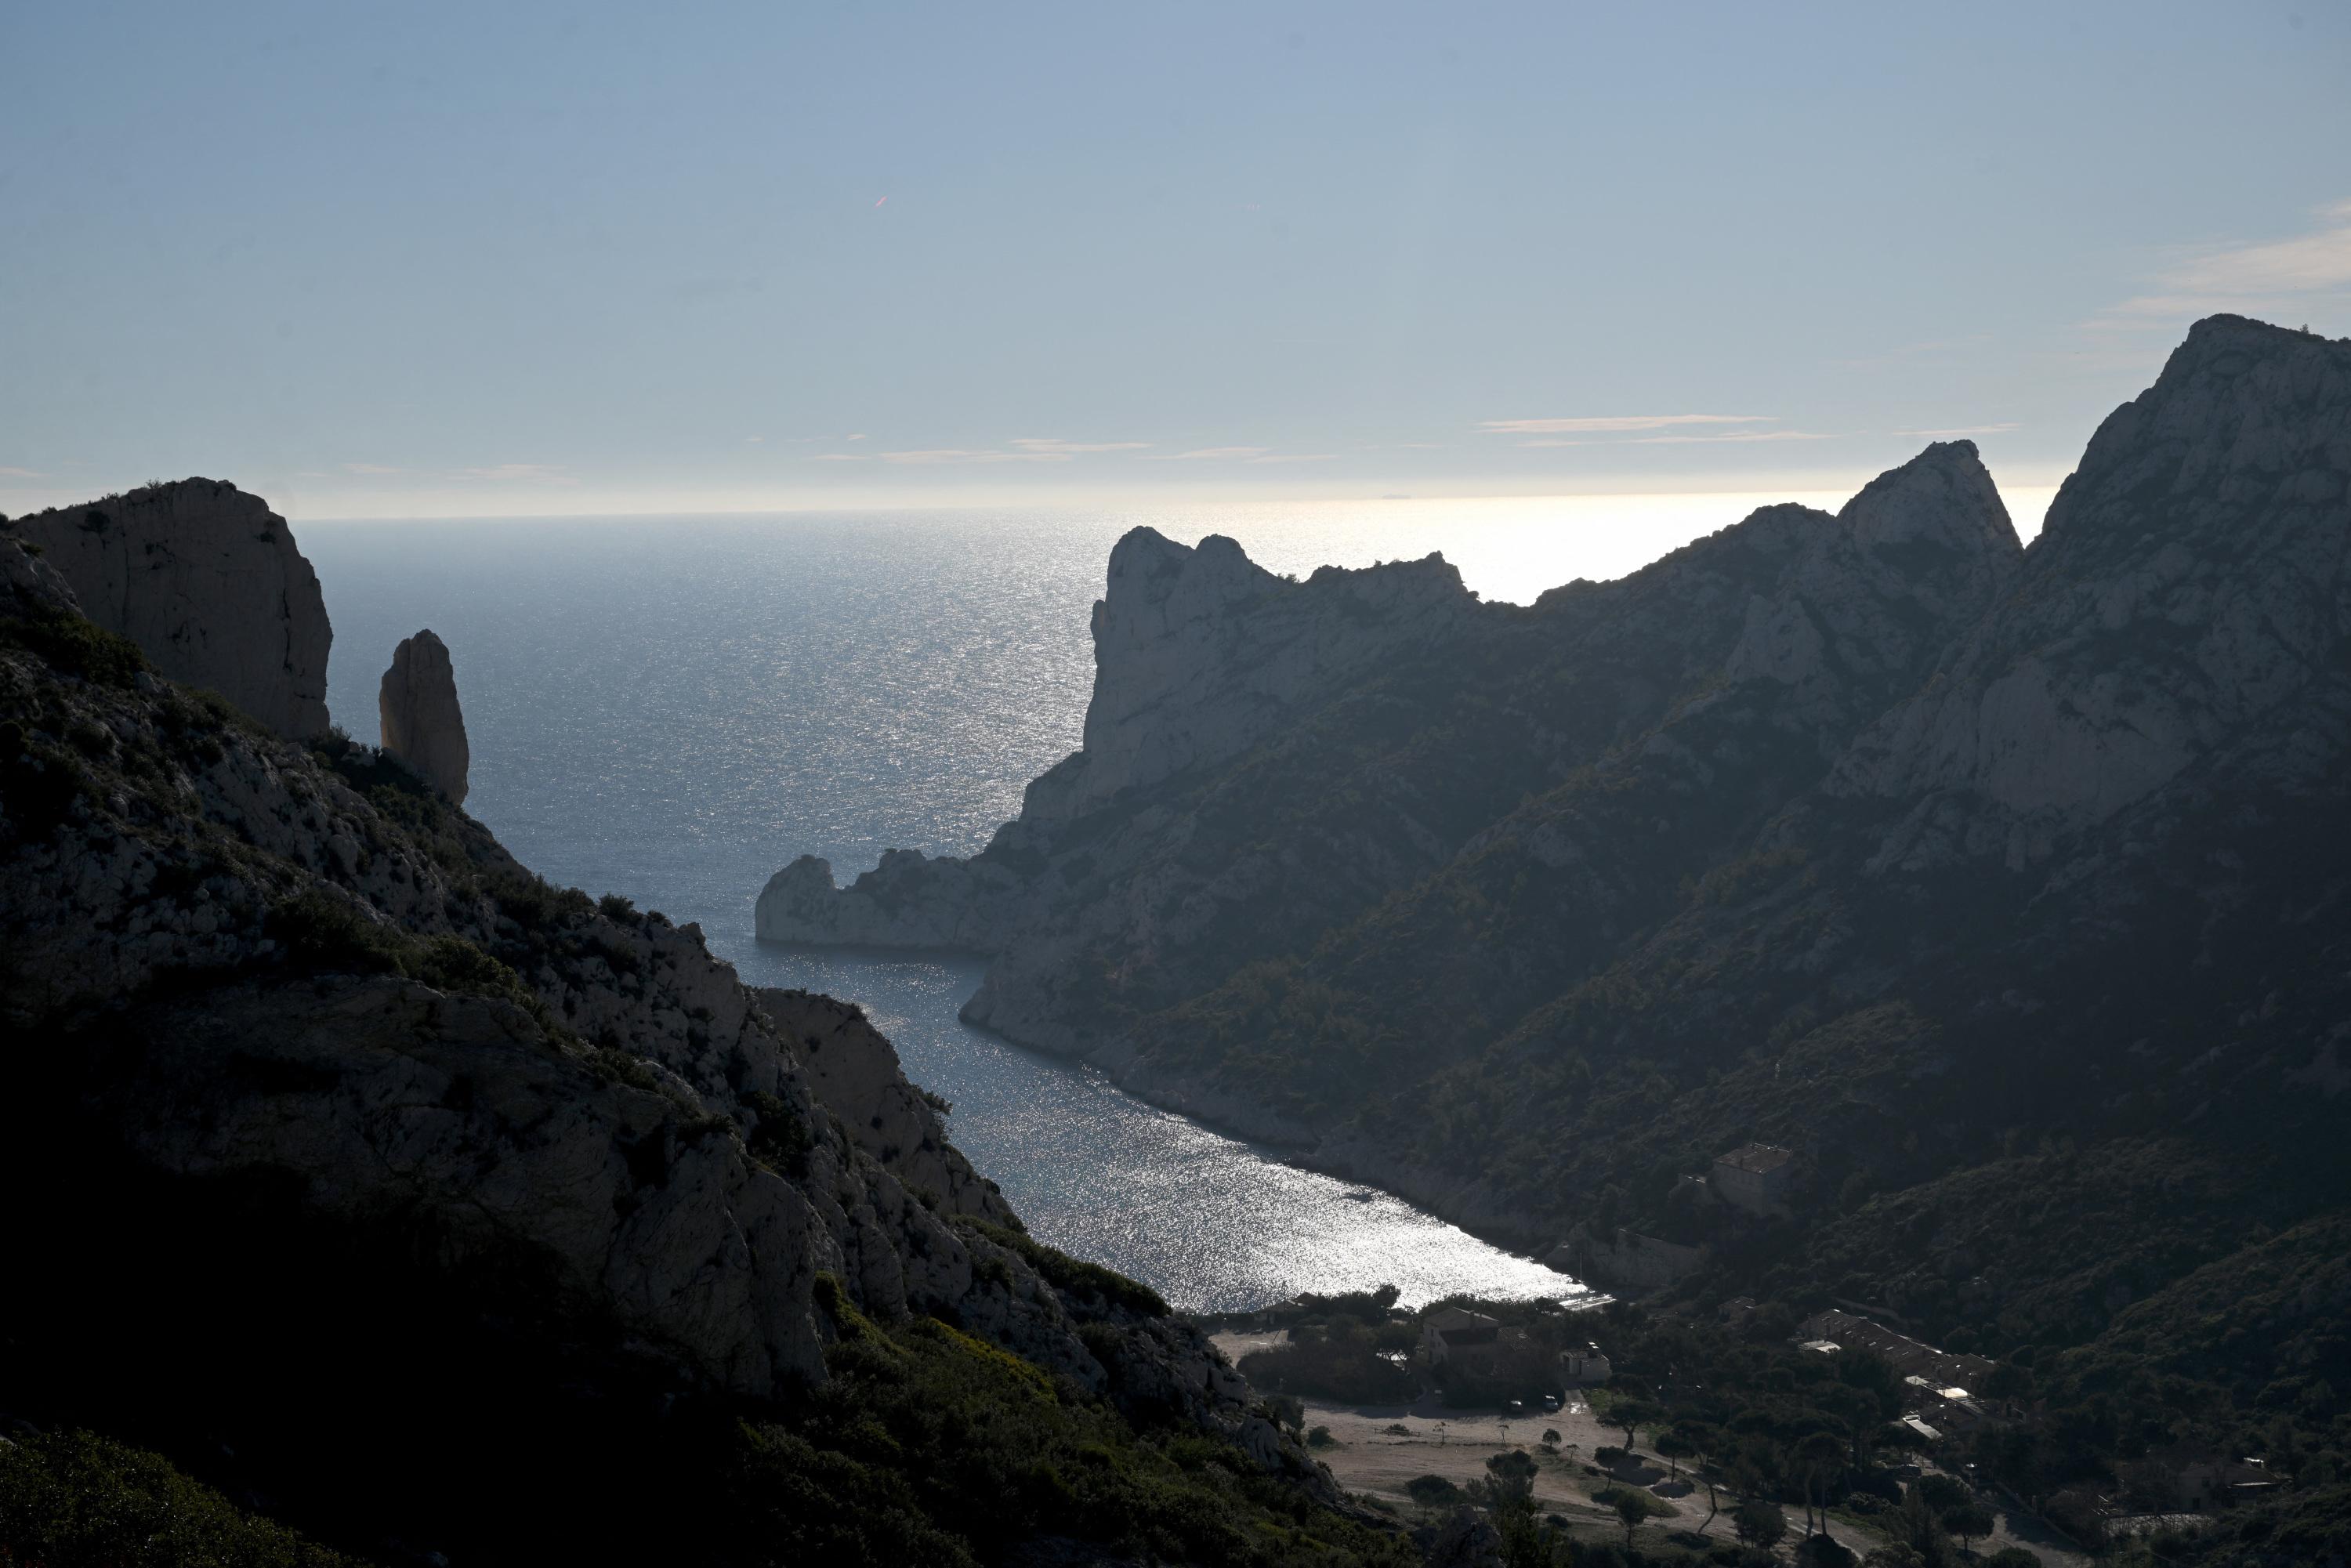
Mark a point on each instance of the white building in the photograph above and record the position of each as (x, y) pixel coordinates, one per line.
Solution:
(1585, 1365)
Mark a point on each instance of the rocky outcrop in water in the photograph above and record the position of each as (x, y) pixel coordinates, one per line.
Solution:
(423, 727)
(208, 580)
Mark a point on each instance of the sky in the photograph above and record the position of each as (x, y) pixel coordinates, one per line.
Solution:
(425, 260)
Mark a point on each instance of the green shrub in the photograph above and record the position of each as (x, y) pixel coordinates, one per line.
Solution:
(38, 782)
(782, 1139)
(1074, 1275)
(1338, 1361)
(1432, 1492)
(326, 935)
(76, 646)
(926, 1445)
(73, 1500)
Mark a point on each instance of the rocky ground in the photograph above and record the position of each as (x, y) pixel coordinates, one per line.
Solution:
(285, 1022)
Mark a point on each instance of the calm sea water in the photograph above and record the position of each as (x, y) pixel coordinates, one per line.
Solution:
(674, 709)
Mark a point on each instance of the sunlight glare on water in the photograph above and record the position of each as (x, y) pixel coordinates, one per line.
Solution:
(675, 708)
(1211, 1223)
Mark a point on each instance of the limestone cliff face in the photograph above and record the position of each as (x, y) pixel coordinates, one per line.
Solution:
(208, 580)
(422, 725)
(1141, 866)
(1874, 834)
(1200, 653)
(242, 965)
(2190, 578)
(855, 1071)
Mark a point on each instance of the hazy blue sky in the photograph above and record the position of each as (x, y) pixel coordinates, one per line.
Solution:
(393, 259)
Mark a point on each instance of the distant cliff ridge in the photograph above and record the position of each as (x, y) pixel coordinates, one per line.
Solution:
(1875, 837)
(208, 580)
(1391, 720)
(1199, 655)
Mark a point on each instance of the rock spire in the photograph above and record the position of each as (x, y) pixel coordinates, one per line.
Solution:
(423, 726)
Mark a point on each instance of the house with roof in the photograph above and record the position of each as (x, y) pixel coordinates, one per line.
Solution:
(1455, 1337)
(1946, 1376)
(1459, 1346)
(1757, 1178)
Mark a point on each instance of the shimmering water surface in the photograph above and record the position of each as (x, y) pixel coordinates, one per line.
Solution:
(674, 709)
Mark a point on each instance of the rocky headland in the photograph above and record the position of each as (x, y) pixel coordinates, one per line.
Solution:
(1874, 836)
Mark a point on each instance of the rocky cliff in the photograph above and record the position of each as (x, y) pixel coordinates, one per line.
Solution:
(423, 727)
(283, 1017)
(2188, 581)
(1199, 656)
(207, 580)
(1875, 836)
(1410, 747)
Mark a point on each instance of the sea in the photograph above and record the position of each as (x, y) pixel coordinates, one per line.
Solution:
(675, 707)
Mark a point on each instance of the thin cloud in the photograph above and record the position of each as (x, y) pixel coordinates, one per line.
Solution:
(1910, 351)
(839, 457)
(1295, 457)
(1740, 435)
(368, 468)
(933, 456)
(545, 473)
(1960, 430)
(1049, 446)
(859, 437)
(1212, 454)
(1615, 423)
(755, 441)
(2265, 276)
(22, 472)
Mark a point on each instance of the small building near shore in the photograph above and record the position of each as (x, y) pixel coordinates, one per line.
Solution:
(1756, 1178)
(1944, 1372)
(1461, 1347)
(1584, 1365)
(1455, 1336)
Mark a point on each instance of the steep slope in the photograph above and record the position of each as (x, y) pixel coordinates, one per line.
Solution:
(2006, 888)
(1370, 783)
(478, 1206)
(2079, 888)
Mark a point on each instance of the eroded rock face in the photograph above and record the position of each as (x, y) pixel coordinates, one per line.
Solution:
(1198, 652)
(422, 725)
(207, 580)
(2190, 578)
(243, 970)
(1973, 802)
(1226, 698)
(1198, 655)
(856, 1073)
